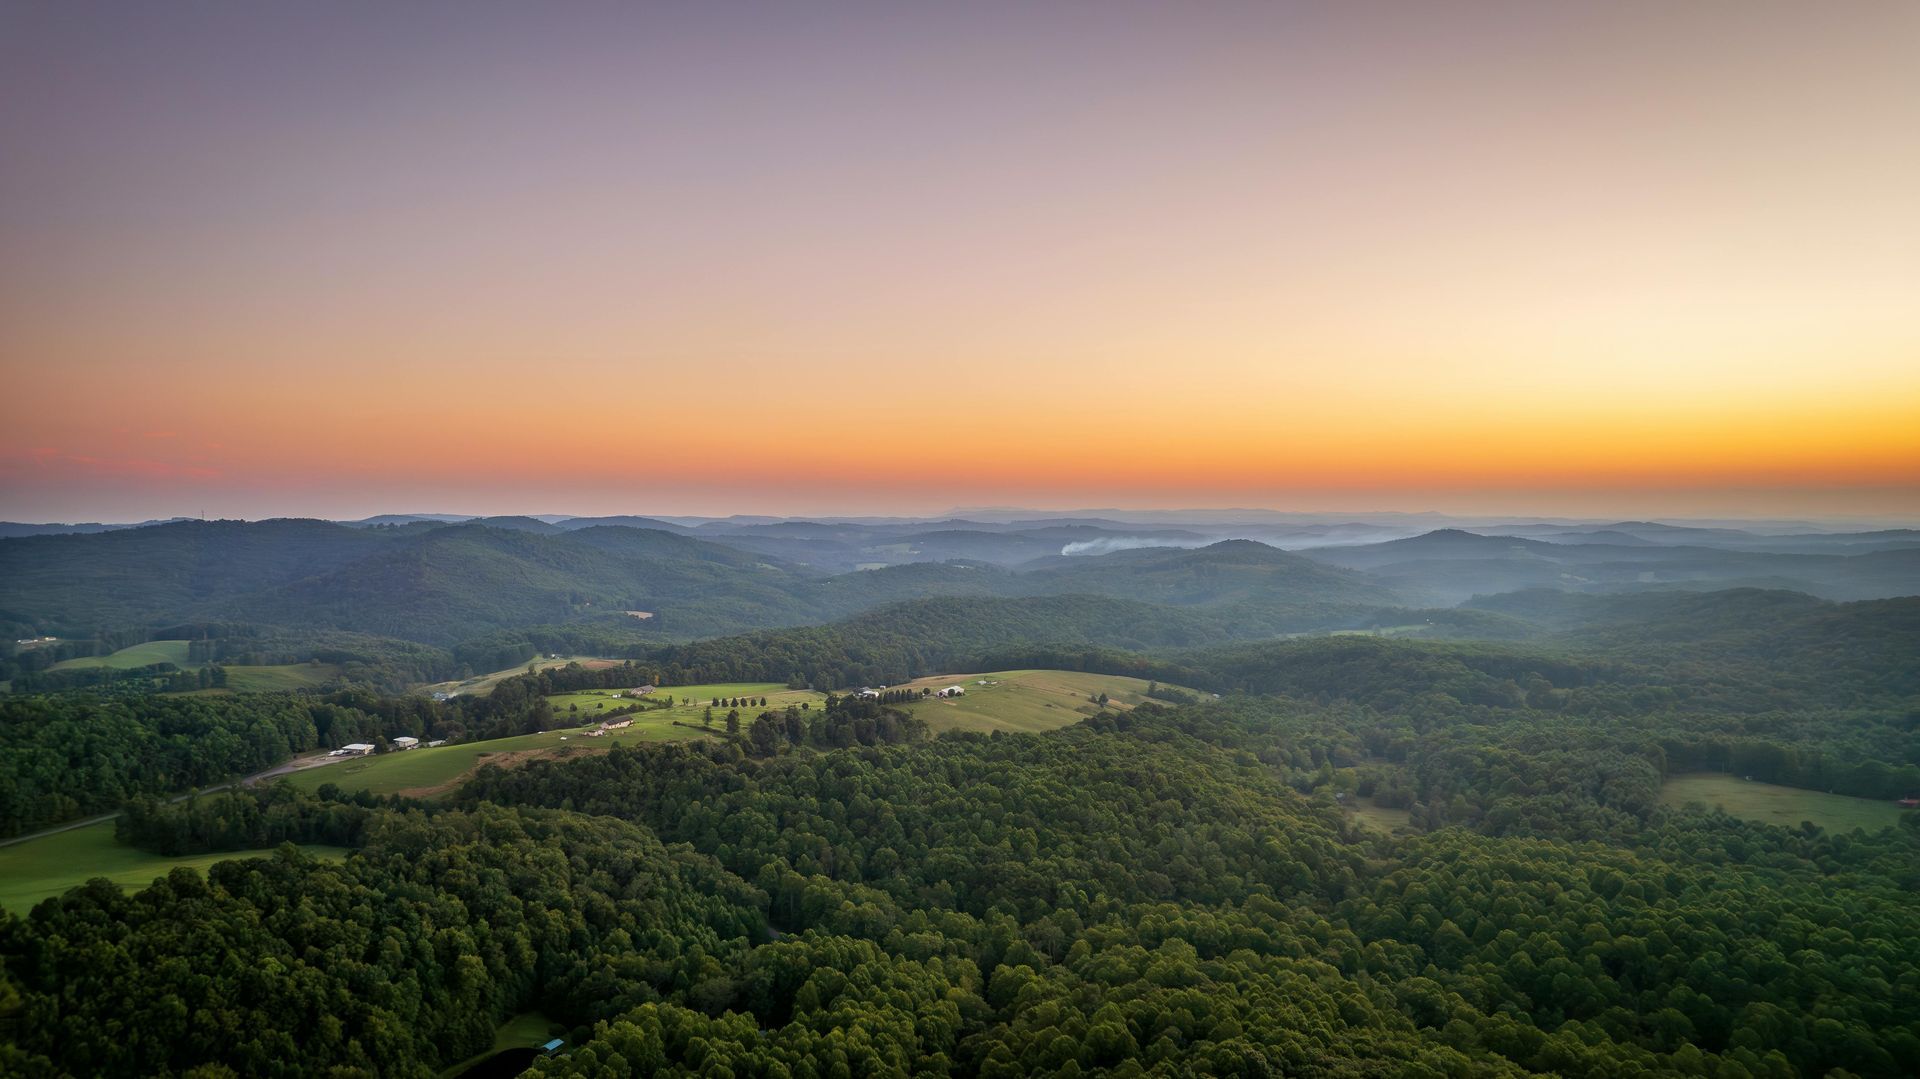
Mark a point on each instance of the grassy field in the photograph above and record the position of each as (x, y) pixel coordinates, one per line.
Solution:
(140, 655)
(282, 677)
(1021, 700)
(239, 679)
(39, 868)
(482, 684)
(690, 703)
(430, 772)
(1378, 818)
(1772, 804)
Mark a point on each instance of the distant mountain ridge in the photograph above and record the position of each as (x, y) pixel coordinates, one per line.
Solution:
(444, 583)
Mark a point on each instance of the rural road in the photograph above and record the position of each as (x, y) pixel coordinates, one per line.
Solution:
(297, 764)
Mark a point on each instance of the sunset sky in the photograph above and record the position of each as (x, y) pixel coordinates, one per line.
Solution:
(1627, 258)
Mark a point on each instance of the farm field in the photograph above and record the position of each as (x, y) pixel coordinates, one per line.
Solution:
(482, 684)
(139, 655)
(264, 679)
(50, 865)
(690, 702)
(1021, 700)
(282, 677)
(1377, 817)
(1772, 804)
(429, 772)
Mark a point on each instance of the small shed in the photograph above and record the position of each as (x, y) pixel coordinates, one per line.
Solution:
(553, 1047)
(405, 742)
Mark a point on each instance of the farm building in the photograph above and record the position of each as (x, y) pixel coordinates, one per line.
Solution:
(436, 742)
(353, 749)
(868, 694)
(951, 691)
(404, 742)
(1908, 803)
(641, 691)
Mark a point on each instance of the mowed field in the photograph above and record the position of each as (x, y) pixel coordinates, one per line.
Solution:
(269, 679)
(50, 865)
(1377, 817)
(482, 684)
(139, 655)
(431, 772)
(1773, 804)
(1021, 700)
(690, 703)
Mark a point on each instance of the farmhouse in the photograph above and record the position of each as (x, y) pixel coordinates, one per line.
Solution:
(951, 691)
(352, 749)
(404, 742)
(868, 694)
(641, 691)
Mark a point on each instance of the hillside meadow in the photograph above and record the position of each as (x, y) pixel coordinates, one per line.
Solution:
(1030, 700)
(1770, 803)
(40, 868)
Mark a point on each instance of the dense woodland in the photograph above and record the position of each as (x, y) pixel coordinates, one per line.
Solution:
(1167, 891)
(1171, 890)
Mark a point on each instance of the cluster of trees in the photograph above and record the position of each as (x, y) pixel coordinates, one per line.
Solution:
(246, 819)
(68, 755)
(737, 702)
(398, 961)
(1148, 889)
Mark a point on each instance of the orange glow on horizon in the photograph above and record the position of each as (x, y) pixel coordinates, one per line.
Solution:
(1584, 259)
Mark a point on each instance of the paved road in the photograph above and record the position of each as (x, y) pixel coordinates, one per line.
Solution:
(295, 765)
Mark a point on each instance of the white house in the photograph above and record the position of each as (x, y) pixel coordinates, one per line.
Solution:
(353, 749)
(951, 691)
(404, 742)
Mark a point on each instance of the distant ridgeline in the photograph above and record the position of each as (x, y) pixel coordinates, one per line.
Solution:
(462, 586)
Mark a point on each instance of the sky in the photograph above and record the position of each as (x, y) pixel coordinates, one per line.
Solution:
(1625, 258)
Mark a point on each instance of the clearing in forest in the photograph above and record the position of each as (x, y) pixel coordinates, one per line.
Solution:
(1773, 804)
(40, 868)
(1035, 700)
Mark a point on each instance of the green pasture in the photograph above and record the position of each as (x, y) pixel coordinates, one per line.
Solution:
(482, 684)
(1772, 804)
(1036, 700)
(423, 769)
(1377, 817)
(282, 677)
(139, 655)
(51, 865)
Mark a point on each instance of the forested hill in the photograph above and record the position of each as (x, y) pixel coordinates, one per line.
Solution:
(442, 584)
(1743, 651)
(1165, 892)
(1451, 565)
